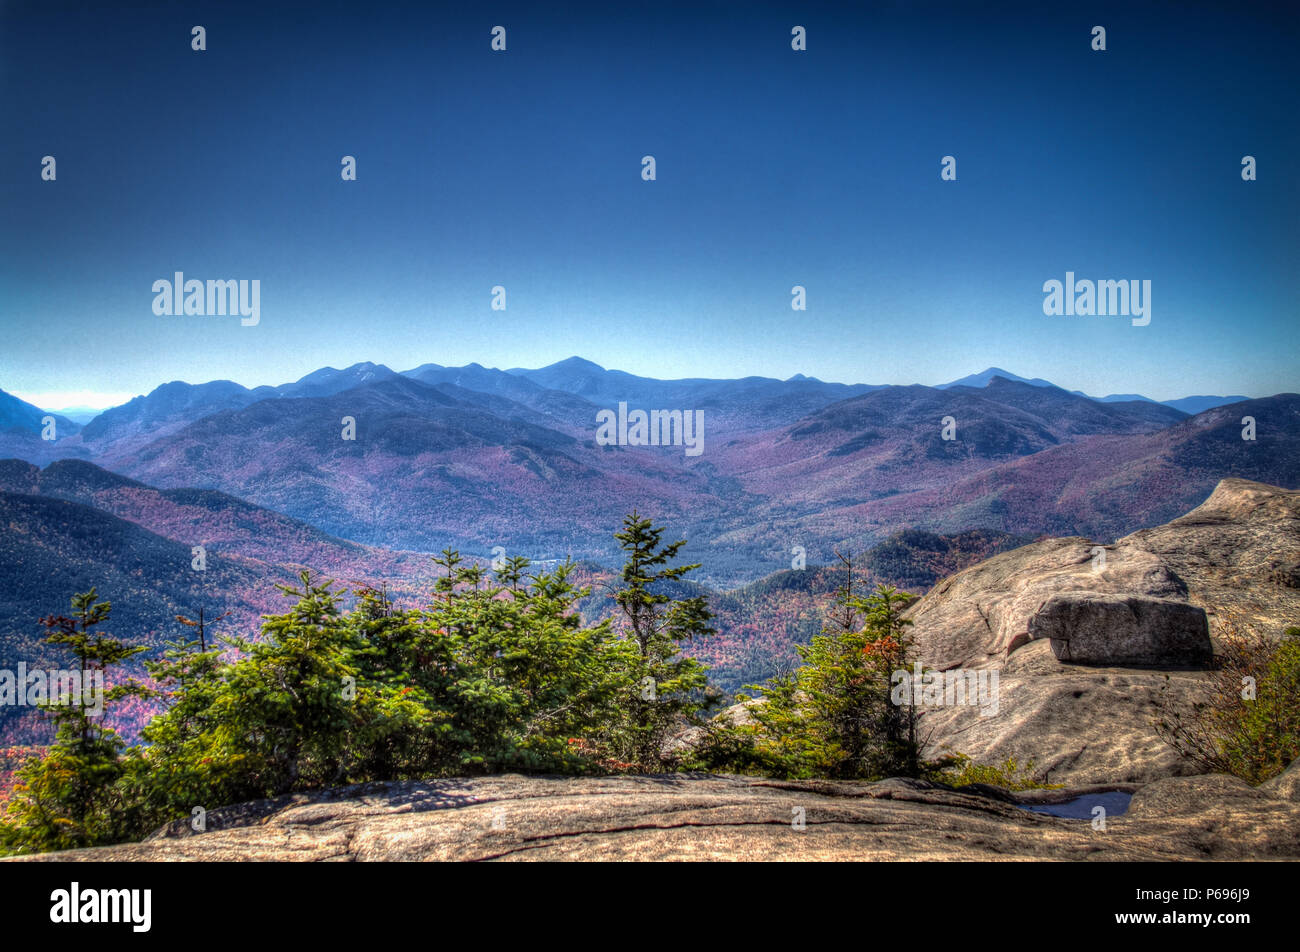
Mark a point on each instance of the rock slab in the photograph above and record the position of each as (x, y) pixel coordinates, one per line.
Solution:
(710, 817)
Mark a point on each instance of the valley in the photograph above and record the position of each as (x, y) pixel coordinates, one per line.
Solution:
(503, 463)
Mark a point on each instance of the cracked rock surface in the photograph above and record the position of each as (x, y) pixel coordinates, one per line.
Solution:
(709, 817)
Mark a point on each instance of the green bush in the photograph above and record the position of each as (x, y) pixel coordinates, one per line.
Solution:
(1245, 720)
(1010, 774)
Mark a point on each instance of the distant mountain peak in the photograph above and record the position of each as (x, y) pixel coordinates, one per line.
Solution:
(363, 367)
(575, 363)
(985, 377)
(330, 380)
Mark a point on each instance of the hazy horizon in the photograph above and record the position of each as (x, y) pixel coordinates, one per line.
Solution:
(775, 168)
(56, 401)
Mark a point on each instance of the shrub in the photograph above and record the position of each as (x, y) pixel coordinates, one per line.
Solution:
(1245, 719)
(1010, 774)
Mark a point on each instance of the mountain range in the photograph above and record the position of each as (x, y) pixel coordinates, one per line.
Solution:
(476, 458)
(566, 388)
(1195, 404)
(920, 481)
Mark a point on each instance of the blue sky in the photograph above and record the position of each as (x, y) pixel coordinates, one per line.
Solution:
(775, 168)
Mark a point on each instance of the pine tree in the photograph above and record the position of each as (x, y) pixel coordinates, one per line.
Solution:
(169, 776)
(836, 715)
(667, 688)
(274, 721)
(69, 797)
(294, 684)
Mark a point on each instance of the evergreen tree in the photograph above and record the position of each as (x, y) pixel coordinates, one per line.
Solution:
(667, 688)
(275, 720)
(409, 670)
(836, 715)
(69, 797)
(287, 705)
(161, 779)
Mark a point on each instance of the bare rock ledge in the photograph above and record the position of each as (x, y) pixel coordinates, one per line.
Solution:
(708, 817)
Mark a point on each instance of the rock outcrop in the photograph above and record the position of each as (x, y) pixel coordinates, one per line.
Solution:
(1087, 637)
(684, 817)
(1096, 628)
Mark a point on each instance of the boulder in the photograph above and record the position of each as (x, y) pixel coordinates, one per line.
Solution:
(1095, 628)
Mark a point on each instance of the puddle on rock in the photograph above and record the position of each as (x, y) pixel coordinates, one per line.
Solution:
(1080, 808)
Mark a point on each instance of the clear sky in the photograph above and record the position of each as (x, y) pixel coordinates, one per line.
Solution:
(775, 168)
